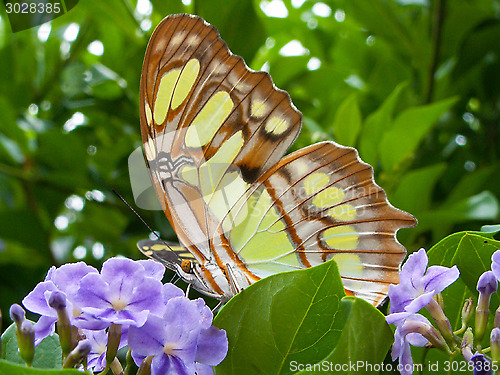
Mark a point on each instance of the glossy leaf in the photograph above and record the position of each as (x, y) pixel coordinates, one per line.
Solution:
(347, 123)
(8, 368)
(376, 124)
(400, 142)
(298, 317)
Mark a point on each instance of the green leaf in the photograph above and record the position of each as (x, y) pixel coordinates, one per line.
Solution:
(8, 368)
(414, 192)
(347, 122)
(482, 206)
(382, 19)
(365, 338)
(400, 142)
(375, 125)
(48, 353)
(296, 318)
(493, 229)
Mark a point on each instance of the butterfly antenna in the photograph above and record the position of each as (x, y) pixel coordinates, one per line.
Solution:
(174, 279)
(141, 219)
(135, 212)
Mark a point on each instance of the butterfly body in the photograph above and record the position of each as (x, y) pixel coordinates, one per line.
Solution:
(214, 134)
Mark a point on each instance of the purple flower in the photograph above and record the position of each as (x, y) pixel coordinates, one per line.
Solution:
(182, 341)
(417, 287)
(96, 359)
(495, 264)
(121, 294)
(487, 283)
(64, 279)
(404, 336)
(153, 269)
(481, 365)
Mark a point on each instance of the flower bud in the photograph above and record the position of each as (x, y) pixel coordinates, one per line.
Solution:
(145, 367)
(495, 345)
(486, 285)
(17, 314)
(78, 355)
(26, 342)
(439, 299)
(442, 322)
(114, 336)
(57, 300)
(467, 342)
(428, 331)
(496, 322)
(467, 311)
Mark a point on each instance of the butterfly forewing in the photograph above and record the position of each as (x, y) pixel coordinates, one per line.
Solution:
(215, 134)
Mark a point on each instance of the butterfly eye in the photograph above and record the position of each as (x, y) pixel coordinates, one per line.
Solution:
(186, 266)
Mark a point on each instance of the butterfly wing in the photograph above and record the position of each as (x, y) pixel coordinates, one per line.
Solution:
(214, 134)
(317, 204)
(168, 253)
(207, 122)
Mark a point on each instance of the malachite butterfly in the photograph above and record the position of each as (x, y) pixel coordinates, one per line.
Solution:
(215, 134)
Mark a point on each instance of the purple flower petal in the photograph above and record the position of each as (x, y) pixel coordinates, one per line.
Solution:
(438, 278)
(206, 314)
(171, 291)
(93, 293)
(130, 318)
(146, 297)
(495, 265)
(122, 271)
(68, 276)
(45, 326)
(212, 346)
(202, 369)
(400, 297)
(50, 273)
(90, 322)
(401, 347)
(148, 339)
(153, 269)
(36, 300)
(183, 321)
(138, 358)
(415, 266)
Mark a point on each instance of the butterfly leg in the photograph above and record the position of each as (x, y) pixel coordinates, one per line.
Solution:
(233, 281)
(188, 289)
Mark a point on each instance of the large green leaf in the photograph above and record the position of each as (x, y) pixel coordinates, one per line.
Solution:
(8, 368)
(347, 123)
(409, 128)
(414, 192)
(364, 341)
(297, 318)
(376, 124)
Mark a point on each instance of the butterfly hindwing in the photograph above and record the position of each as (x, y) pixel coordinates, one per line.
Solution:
(215, 133)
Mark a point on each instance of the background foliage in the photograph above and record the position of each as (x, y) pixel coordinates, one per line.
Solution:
(413, 84)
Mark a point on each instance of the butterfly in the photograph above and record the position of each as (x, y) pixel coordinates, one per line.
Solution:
(215, 134)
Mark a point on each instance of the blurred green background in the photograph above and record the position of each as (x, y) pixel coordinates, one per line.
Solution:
(413, 84)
